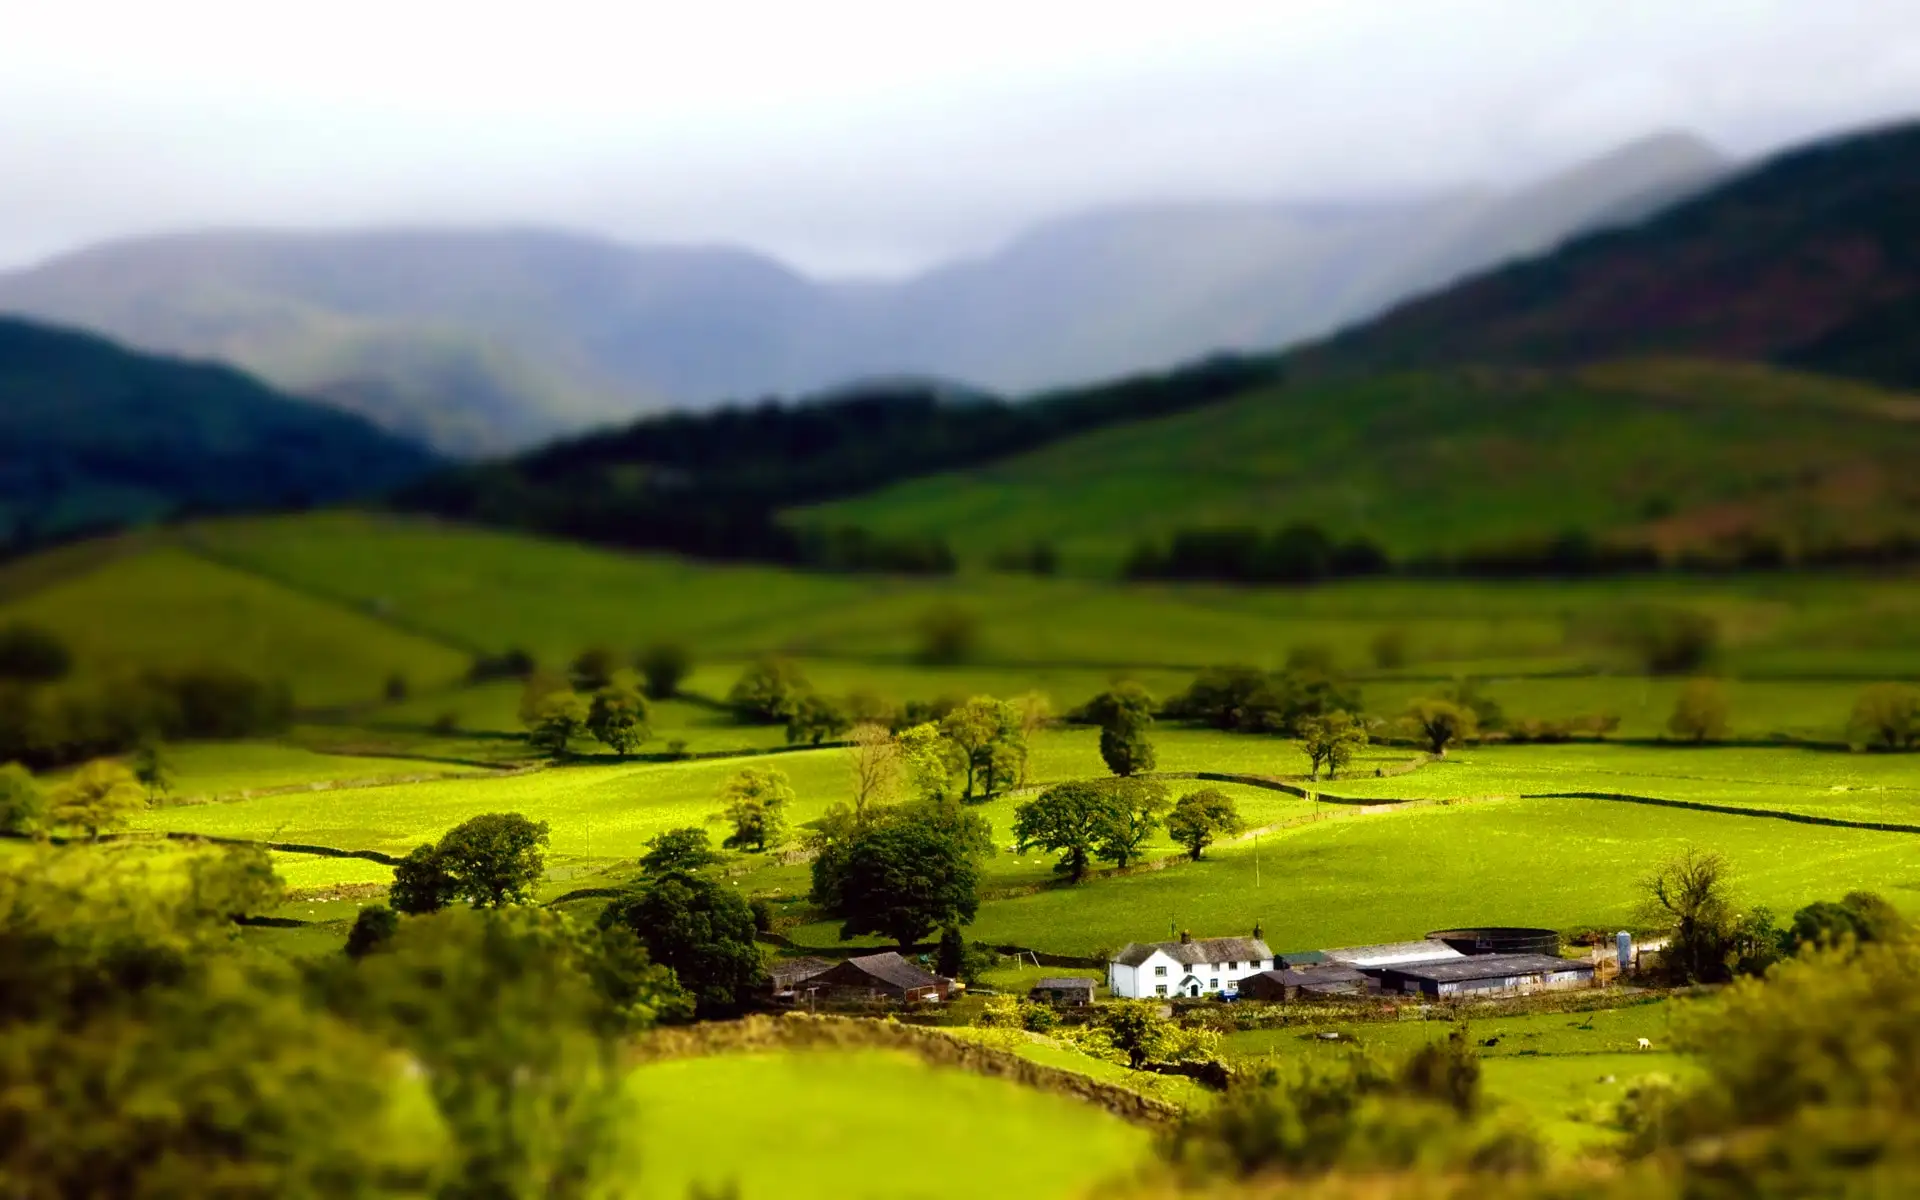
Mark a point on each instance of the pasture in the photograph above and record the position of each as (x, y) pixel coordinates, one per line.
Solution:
(862, 1124)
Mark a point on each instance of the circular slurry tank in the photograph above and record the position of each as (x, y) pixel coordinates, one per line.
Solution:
(1499, 939)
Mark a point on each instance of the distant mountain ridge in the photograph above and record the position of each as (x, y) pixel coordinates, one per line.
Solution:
(1810, 259)
(483, 341)
(93, 435)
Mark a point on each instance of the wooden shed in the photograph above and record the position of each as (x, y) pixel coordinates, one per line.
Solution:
(1063, 991)
(884, 976)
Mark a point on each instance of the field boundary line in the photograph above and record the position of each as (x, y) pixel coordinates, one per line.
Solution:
(156, 835)
(1729, 809)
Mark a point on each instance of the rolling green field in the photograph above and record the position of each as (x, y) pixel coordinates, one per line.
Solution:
(1444, 461)
(862, 1124)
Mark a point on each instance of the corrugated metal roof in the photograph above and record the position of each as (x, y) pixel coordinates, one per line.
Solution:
(1389, 954)
(1490, 966)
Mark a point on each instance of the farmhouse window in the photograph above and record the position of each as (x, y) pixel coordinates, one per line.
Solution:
(1160, 972)
(1160, 990)
(1213, 985)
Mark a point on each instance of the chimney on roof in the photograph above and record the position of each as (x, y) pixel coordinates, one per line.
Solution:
(1186, 939)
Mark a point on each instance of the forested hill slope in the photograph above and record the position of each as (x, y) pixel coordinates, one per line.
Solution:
(95, 435)
(1811, 259)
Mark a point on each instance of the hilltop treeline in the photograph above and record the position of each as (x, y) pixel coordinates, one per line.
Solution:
(1302, 553)
(712, 484)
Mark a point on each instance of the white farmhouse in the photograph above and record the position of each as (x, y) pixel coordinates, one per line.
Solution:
(1188, 967)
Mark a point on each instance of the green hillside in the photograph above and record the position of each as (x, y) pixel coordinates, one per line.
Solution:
(1680, 455)
(1811, 259)
(92, 435)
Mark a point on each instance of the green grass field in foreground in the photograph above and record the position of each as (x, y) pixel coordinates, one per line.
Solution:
(1376, 877)
(867, 1124)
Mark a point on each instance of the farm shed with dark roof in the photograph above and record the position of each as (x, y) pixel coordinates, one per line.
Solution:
(1288, 983)
(881, 977)
(1483, 973)
(1062, 990)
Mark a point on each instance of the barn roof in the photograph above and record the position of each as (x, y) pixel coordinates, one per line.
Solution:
(1306, 976)
(1199, 950)
(1392, 954)
(1063, 983)
(1490, 966)
(890, 968)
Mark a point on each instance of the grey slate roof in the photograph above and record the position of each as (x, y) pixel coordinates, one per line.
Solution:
(1199, 950)
(1063, 984)
(890, 968)
(1490, 966)
(1312, 976)
(1392, 954)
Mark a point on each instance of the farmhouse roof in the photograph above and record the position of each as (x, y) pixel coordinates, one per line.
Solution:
(1064, 983)
(1490, 966)
(889, 967)
(1392, 954)
(1197, 951)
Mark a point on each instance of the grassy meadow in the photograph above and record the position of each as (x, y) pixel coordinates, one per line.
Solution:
(819, 1124)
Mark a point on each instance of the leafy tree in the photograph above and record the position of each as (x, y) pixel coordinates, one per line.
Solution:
(768, 692)
(915, 870)
(618, 718)
(873, 760)
(23, 806)
(664, 666)
(1068, 819)
(1200, 817)
(395, 689)
(1138, 1030)
(421, 883)
(1699, 711)
(1860, 916)
(930, 761)
(1692, 895)
(756, 802)
(495, 858)
(513, 1017)
(561, 718)
(1124, 714)
(1331, 741)
(701, 930)
(31, 654)
(949, 634)
(373, 929)
(1441, 723)
(1888, 716)
(153, 769)
(1667, 641)
(1135, 808)
(593, 669)
(1248, 700)
(986, 732)
(100, 795)
(815, 719)
(489, 861)
(678, 850)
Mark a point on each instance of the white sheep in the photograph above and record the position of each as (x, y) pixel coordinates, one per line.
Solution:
(1645, 1044)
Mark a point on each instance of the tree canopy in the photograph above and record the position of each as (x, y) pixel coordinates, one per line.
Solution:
(489, 861)
(1201, 817)
(756, 801)
(700, 929)
(910, 870)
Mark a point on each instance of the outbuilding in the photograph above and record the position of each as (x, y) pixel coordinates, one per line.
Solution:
(884, 976)
(1064, 991)
(1292, 983)
(787, 975)
(1482, 974)
(1392, 954)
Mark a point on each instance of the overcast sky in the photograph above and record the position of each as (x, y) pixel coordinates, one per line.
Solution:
(852, 137)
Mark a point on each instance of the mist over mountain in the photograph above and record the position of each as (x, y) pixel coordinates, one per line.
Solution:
(482, 341)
